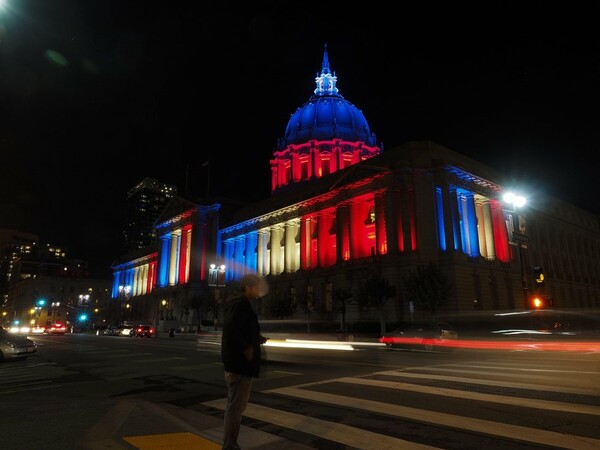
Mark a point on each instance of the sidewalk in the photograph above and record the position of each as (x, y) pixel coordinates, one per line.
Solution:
(149, 426)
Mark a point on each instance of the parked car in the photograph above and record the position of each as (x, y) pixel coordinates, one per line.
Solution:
(420, 335)
(144, 331)
(13, 346)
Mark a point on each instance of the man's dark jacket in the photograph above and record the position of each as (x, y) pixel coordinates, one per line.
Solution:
(240, 331)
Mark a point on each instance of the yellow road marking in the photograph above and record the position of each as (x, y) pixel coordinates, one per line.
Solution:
(189, 441)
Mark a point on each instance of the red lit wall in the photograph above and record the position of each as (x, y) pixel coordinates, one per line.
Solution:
(183, 254)
(362, 231)
(327, 238)
(500, 231)
(151, 280)
(413, 225)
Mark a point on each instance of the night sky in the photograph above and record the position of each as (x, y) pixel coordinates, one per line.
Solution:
(96, 95)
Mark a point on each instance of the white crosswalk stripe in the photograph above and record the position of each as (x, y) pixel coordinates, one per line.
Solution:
(419, 382)
(476, 425)
(340, 433)
(19, 378)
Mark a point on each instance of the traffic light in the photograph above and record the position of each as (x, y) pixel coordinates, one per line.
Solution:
(536, 302)
(538, 276)
(539, 302)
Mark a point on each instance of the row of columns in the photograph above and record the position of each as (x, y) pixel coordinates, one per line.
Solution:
(305, 161)
(365, 226)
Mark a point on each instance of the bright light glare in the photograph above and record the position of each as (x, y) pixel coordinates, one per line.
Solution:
(516, 200)
(23, 329)
(321, 345)
(355, 343)
(576, 346)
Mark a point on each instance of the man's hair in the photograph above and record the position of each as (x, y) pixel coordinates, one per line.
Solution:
(249, 280)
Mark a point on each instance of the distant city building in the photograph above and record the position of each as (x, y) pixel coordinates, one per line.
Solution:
(343, 213)
(41, 284)
(143, 205)
(13, 244)
(77, 302)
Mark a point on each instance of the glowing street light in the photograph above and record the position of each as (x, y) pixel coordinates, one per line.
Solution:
(216, 278)
(124, 294)
(518, 237)
(516, 200)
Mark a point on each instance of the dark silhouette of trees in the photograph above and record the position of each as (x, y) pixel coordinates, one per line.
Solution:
(428, 288)
(279, 305)
(341, 297)
(196, 302)
(374, 292)
(308, 304)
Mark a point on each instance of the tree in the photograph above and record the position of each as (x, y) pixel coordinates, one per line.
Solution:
(308, 304)
(428, 288)
(195, 302)
(374, 293)
(341, 298)
(279, 306)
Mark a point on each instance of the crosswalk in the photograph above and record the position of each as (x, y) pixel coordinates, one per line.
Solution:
(340, 433)
(15, 378)
(443, 402)
(210, 338)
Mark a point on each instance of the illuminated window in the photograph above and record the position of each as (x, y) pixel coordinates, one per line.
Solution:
(304, 169)
(325, 166)
(370, 219)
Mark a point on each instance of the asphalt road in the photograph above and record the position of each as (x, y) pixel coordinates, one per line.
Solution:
(83, 391)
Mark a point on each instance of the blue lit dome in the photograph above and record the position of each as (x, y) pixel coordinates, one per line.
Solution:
(327, 115)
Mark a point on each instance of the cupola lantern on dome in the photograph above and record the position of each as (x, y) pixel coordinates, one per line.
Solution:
(323, 136)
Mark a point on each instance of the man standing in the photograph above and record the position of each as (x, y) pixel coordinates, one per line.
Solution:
(240, 352)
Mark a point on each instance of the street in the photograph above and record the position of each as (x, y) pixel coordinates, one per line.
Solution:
(366, 398)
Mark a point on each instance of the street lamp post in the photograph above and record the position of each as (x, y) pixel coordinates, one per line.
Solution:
(83, 313)
(124, 293)
(55, 307)
(519, 238)
(38, 309)
(216, 278)
(164, 311)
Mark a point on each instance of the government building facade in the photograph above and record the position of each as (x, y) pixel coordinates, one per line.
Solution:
(343, 211)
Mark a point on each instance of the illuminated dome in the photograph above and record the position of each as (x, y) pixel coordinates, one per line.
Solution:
(323, 136)
(327, 115)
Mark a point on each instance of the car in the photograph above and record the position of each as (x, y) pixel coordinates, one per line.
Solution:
(13, 346)
(126, 330)
(420, 336)
(144, 331)
(19, 329)
(56, 328)
(112, 330)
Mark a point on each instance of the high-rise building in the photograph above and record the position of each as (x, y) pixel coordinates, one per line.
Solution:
(13, 244)
(144, 204)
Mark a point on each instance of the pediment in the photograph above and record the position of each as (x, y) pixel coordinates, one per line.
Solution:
(175, 209)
